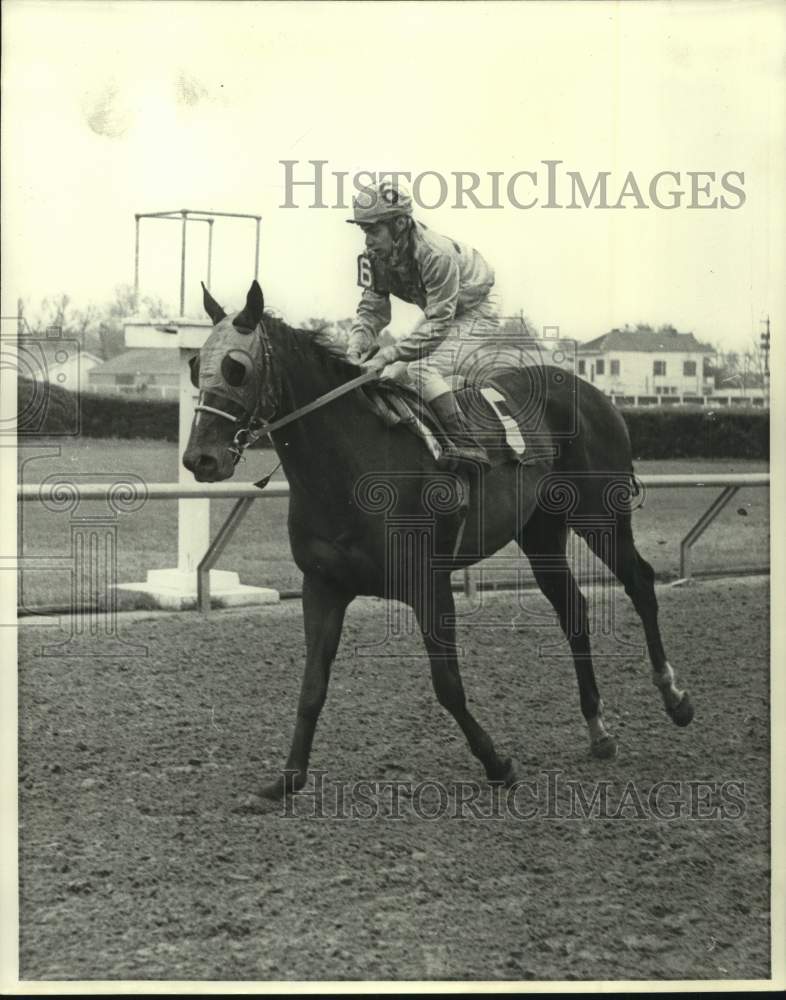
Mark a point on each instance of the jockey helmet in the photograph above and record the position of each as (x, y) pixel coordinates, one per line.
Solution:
(380, 201)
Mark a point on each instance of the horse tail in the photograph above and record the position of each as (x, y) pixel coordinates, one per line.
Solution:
(636, 488)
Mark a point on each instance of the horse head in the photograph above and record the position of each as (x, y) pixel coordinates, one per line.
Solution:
(235, 378)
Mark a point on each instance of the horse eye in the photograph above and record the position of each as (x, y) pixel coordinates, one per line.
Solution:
(234, 371)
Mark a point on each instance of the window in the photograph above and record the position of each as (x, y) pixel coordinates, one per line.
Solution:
(124, 379)
(658, 367)
(615, 367)
(582, 367)
(689, 368)
(599, 367)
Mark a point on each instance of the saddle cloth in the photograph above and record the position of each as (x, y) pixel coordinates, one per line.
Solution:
(489, 410)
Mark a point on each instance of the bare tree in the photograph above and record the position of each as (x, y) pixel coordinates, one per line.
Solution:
(317, 324)
(98, 328)
(754, 363)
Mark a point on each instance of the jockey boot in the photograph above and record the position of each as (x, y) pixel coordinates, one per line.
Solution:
(462, 444)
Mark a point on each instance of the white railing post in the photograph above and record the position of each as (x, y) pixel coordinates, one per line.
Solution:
(193, 516)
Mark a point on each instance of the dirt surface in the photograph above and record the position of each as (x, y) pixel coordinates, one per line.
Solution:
(145, 853)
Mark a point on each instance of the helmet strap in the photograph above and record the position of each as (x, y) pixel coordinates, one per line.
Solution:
(400, 238)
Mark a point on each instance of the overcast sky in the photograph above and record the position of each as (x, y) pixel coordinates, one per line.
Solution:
(115, 108)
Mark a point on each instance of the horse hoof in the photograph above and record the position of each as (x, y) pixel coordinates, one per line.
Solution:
(682, 713)
(506, 775)
(274, 791)
(604, 747)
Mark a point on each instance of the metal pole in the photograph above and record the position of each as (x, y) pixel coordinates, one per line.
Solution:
(209, 250)
(470, 585)
(183, 265)
(136, 264)
(256, 251)
(215, 549)
(698, 529)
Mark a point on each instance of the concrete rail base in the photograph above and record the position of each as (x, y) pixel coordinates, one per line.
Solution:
(176, 590)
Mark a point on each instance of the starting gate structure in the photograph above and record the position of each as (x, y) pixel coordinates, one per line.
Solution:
(177, 587)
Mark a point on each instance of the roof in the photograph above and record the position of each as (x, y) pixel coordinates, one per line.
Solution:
(142, 361)
(646, 340)
(50, 347)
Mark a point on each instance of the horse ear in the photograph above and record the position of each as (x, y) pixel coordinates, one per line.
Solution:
(251, 315)
(193, 364)
(212, 308)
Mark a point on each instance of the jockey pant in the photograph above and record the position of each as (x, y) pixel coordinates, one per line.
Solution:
(471, 352)
(444, 368)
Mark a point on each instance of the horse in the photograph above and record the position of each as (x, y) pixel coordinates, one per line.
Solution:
(350, 476)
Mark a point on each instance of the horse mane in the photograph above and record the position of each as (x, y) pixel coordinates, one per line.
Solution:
(330, 348)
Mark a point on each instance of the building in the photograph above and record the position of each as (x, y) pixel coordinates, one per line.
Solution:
(650, 368)
(146, 373)
(55, 358)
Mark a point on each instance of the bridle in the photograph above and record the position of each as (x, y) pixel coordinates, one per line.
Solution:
(251, 430)
(257, 425)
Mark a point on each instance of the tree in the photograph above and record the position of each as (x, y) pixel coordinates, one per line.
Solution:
(97, 328)
(518, 326)
(667, 328)
(317, 324)
(124, 304)
(343, 326)
(53, 312)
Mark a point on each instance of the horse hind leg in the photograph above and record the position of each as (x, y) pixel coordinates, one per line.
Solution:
(637, 577)
(543, 541)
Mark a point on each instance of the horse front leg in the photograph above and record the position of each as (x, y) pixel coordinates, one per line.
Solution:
(435, 611)
(324, 607)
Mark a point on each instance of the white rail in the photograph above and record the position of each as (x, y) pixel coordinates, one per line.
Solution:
(228, 491)
(246, 493)
(49, 489)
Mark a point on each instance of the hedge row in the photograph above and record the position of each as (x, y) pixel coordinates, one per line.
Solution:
(49, 410)
(722, 433)
(655, 432)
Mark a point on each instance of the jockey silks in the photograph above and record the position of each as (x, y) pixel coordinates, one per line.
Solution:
(443, 277)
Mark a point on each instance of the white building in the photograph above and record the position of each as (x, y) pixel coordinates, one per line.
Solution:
(645, 367)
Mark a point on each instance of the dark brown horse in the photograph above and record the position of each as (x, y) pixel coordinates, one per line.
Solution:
(372, 512)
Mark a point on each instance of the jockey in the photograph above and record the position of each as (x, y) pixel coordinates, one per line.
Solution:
(449, 281)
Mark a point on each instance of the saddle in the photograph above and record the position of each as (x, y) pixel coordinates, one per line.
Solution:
(489, 409)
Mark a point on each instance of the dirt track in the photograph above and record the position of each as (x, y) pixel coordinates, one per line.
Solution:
(145, 855)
